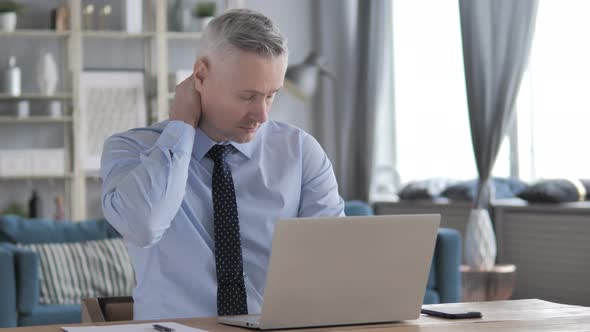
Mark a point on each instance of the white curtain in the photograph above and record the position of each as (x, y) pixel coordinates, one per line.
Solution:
(497, 37)
(355, 37)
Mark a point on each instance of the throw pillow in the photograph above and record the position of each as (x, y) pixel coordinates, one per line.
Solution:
(467, 190)
(557, 191)
(424, 189)
(70, 272)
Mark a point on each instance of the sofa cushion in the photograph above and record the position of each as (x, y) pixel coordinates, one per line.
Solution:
(70, 272)
(17, 229)
(52, 314)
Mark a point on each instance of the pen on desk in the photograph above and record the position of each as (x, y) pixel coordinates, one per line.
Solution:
(162, 328)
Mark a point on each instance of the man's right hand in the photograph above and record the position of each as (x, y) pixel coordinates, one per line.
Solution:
(187, 103)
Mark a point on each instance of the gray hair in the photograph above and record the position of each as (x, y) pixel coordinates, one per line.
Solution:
(245, 30)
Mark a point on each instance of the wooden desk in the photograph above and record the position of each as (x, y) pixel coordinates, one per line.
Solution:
(517, 315)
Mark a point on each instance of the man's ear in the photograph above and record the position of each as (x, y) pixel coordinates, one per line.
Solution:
(200, 73)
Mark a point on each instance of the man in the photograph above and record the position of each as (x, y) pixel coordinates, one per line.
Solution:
(196, 197)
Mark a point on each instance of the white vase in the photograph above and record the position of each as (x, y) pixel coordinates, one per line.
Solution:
(47, 74)
(7, 21)
(182, 16)
(133, 16)
(23, 109)
(480, 241)
(54, 109)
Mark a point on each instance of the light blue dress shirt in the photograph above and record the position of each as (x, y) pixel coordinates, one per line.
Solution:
(157, 193)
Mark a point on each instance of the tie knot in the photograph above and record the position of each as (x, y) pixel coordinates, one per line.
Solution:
(218, 152)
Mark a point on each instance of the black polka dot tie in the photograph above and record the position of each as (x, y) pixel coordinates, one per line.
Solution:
(231, 291)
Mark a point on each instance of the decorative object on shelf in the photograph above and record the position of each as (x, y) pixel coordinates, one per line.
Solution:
(182, 16)
(47, 74)
(88, 17)
(59, 208)
(48, 162)
(204, 11)
(32, 162)
(301, 80)
(110, 102)
(133, 16)
(15, 209)
(14, 163)
(11, 82)
(23, 109)
(35, 207)
(54, 109)
(104, 16)
(60, 19)
(480, 241)
(234, 4)
(8, 14)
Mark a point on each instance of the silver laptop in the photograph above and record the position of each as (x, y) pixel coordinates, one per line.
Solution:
(345, 270)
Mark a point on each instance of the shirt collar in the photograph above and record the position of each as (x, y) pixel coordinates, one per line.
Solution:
(204, 143)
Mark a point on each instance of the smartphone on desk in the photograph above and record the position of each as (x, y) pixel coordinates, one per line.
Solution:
(452, 313)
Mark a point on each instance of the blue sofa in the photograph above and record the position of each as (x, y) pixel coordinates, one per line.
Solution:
(19, 269)
(444, 281)
(19, 274)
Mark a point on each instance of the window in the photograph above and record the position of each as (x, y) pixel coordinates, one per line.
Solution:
(553, 107)
(432, 121)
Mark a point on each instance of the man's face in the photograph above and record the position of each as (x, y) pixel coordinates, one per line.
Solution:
(237, 92)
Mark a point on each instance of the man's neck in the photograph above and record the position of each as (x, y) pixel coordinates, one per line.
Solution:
(212, 134)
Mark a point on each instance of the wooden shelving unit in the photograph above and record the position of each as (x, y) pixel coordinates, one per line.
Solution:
(36, 96)
(184, 35)
(35, 119)
(66, 176)
(156, 38)
(35, 33)
(116, 35)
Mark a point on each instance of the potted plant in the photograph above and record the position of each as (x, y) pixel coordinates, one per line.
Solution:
(204, 11)
(15, 209)
(8, 11)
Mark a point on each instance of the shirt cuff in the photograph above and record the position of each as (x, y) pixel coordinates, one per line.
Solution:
(178, 136)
